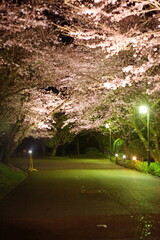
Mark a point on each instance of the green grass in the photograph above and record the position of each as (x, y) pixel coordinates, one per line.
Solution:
(9, 178)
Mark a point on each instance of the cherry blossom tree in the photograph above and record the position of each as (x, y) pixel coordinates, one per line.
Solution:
(71, 56)
(61, 133)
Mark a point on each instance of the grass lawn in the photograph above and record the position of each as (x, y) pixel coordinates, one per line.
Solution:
(9, 178)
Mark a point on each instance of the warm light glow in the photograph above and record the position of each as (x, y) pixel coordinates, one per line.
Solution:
(143, 109)
(107, 125)
(124, 156)
(30, 151)
(134, 158)
(116, 154)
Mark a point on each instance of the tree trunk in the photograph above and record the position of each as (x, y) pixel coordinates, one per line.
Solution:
(1, 151)
(145, 142)
(7, 149)
(126, 150)
(43, 147)
(156, 154)
(77, 147)
(6, 153)
(54, 150)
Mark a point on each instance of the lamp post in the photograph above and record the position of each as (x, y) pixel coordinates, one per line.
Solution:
(124, 158)
(116, 155)
(110, 139)
(145, 110)
(31, 161)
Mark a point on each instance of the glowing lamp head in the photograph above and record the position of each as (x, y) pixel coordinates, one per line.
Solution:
(124, 156)
(134, 158)
(116, 155)
(143, 109)
(30, 151)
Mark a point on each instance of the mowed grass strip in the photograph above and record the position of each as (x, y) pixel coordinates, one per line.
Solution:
(9, 178)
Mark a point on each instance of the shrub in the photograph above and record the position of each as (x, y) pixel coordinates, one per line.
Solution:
(154, 168)
(141, 166)
(138, 165)
(130, 164)
(92, 151)
(126, 163)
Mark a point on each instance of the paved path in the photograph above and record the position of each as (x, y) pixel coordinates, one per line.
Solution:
(84, 199)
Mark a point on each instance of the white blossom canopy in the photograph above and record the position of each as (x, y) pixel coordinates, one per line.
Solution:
(71, 55)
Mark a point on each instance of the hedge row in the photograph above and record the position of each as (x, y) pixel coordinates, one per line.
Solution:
(153, 168)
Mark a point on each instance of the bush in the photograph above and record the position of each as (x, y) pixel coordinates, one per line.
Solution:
(91, 151)
(126, 163)
(141, 166)
(154, 169)
(138, 165)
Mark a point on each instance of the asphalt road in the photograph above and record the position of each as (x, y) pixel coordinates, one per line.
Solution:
(82, 200)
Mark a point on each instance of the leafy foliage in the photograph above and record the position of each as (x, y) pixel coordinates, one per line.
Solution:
(136, 148)
(93, 152)
(154, 169)
(118, 145)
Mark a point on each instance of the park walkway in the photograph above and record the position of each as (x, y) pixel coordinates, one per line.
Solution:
(82, 199)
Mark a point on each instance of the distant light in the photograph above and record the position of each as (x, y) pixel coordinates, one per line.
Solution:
(107, 125)
(30, 151)
(124, 156)
(134, 158)
(143, 109)
(116, 154)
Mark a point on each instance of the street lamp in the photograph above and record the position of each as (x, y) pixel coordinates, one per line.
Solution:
(110, 139)
(124, 158)
(116, 155)
(145, 110)
(31, 161)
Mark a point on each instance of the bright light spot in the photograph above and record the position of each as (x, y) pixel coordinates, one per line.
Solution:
(30, 151)
(127, 69)
(134, 158)
(116, 154)
(124, 156)
(143, 109)
(107, 85)
(141, 69)
(107, 125)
